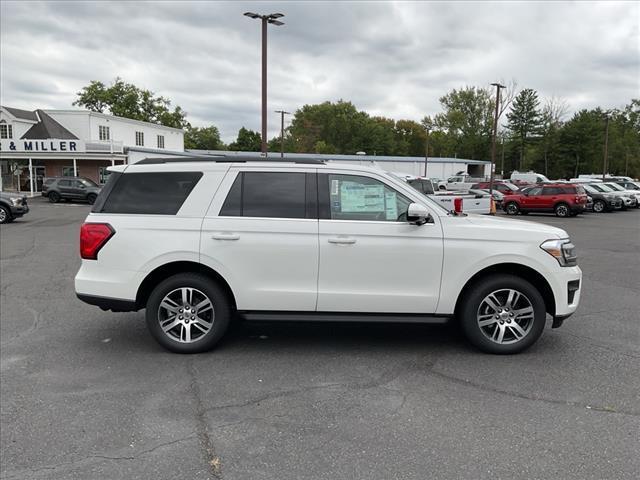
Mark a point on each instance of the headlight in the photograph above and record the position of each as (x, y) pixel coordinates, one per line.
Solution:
(562, 250)
(16, 202)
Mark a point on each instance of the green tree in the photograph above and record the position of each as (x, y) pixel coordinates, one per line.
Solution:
(467, 120)
(203, 138)
(524, 120)
(129, 101)
(247, 141)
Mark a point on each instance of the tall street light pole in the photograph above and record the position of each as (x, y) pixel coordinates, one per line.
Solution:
(272, 19)
(606, 147)
(426, 151)
(282, 114)
(493, 138)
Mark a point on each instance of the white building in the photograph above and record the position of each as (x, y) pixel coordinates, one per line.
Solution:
(49, 143)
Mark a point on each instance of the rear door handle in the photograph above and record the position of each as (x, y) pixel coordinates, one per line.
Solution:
(342, 240)
(225, 236)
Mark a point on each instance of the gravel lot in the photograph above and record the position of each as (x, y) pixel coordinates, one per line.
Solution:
(87, 394)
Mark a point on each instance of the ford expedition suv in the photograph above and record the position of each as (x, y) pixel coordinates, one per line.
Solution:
(200, 242)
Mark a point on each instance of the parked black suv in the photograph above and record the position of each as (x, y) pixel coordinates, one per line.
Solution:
(12, 206)
(70, 188)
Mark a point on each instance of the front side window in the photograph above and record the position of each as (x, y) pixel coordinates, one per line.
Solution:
(103, 132)
(160, 141)
(140, 139)
(552, 191)
(269, 194)
(534, 191)
(353, 197)
(6, 131)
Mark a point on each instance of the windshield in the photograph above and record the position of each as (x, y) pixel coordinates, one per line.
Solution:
(614, 186)
(590, 189)
(88, 183)
(606, 188)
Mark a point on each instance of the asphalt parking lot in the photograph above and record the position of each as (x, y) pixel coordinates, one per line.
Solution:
(87, 394)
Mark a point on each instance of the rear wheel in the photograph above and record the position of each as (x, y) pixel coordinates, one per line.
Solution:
(562, 210)
(512, 208)
(598, 206)
(188, 313)
(54, 197)
(5, 214)
(503, 314)
(91, 198)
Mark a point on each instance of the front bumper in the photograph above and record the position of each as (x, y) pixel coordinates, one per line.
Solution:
(566, 283)
(19, 210)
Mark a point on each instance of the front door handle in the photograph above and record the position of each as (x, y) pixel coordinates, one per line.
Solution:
(342, 240)
(225, 236)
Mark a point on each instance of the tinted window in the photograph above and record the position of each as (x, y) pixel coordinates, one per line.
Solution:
(362, 198)
(157, 193)
(534, 191)
(552, 191)
(49, 181)
(422, 186)
(268, 194)
(64, 183)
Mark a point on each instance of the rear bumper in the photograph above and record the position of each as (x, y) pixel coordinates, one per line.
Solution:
(107, 303)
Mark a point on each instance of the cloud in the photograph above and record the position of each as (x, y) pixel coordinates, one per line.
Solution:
(393, 59)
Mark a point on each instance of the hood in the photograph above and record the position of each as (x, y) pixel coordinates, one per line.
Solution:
(12, 195)
(508, 226)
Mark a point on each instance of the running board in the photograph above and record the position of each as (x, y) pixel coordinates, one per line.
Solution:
(344, 317)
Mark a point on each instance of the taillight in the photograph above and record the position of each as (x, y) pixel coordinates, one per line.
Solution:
(93, 237)
(457, 205)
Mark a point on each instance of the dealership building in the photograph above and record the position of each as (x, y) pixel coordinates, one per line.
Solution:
(54, 143)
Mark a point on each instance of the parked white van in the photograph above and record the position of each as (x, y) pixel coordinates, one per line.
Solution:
(529, 177)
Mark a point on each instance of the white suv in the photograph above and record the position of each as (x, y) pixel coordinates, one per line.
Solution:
(199, 242)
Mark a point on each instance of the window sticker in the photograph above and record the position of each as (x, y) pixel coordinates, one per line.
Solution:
(391, 209)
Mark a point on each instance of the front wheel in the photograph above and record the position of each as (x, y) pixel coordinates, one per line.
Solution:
(503, 314)
(54, 197)
(188, 313)
(598, 206)
(512, 208)
(5, 214)
(91, 198)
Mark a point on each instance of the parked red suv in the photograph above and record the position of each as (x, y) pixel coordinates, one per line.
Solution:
(563, 199)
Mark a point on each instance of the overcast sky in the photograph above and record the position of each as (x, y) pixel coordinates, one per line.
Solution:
(392, 59)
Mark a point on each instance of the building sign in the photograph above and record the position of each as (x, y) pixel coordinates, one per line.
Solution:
(42, 146)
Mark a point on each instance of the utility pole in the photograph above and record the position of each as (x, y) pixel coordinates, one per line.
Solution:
(282, 114)
(272, 19)
(502, 168)
(493, 137)
(606, 146)
(426, 151)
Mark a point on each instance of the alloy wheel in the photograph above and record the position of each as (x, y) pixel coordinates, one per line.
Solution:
(505, 316)
(186, 315)
(562, 211)
(598, 207)
(3, 215)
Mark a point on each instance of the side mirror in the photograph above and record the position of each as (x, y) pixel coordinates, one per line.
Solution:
(418, 214)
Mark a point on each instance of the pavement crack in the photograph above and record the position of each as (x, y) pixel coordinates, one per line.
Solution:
(487, 388)
(206, 445)
(95, 456)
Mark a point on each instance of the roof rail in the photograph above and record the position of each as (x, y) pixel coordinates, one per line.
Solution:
(228, 159)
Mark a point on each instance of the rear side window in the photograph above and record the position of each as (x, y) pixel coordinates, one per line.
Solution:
(552, 191)
(64, 183)
(272, 195)
(153, 193)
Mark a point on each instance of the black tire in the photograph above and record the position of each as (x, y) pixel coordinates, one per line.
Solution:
(442, 187)
(5, 215)
(91, 198)
(512, 208)
(470, 309)
(54, 197)
(203, 285)
(562, 210)
(599, 206)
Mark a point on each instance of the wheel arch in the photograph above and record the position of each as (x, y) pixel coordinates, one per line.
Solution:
(172, 268)
(519, 270)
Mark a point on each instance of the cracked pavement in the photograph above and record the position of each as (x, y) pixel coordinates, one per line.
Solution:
(89, 394)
